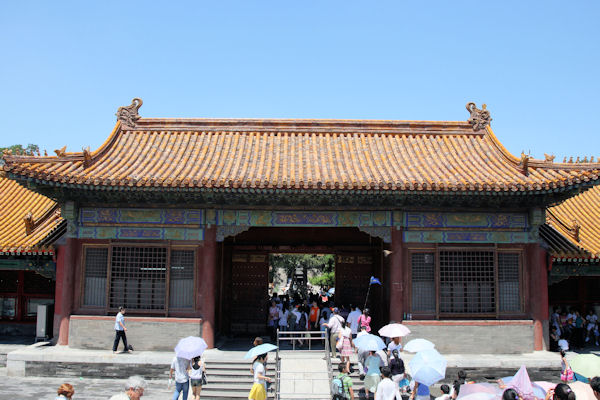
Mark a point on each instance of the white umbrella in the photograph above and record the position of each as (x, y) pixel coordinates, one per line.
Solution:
(428, 367)
(416, 345)
(190, 347)
(394, 330)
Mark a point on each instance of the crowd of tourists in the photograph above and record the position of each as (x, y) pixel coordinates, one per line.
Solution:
(311, 313)
(571, 330)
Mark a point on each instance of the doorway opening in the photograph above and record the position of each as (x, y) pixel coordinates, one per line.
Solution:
(300, 277)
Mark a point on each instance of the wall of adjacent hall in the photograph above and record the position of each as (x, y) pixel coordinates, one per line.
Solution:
(88, 327)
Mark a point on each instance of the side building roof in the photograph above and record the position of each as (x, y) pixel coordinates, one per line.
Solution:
(573, 227)
(28, 220)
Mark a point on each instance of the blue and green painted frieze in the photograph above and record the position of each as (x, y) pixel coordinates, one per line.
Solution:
(141, 223)
(189, 224)
(303, 218)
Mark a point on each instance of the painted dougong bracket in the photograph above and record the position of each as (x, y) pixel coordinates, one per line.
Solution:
(385, 233)
(230, 230)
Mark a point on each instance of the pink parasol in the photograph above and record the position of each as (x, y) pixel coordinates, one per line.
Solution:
(522, 384)
(544, 385)
(583, 391)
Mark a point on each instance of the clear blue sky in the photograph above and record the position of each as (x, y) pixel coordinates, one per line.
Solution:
(67, 66)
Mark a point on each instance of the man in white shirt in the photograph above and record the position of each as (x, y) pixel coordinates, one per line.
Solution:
(180, 367)
(335, 326)
(353, 320)
(387, 389)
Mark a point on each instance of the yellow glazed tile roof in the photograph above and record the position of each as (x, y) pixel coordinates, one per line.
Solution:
(303, 154)
(578, 220)
(16, 203)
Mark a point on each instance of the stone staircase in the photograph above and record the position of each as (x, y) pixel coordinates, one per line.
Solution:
(357, 384)
(231, 379)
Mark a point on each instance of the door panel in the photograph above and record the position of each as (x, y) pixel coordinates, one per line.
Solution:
(352, 275)
(249, 284)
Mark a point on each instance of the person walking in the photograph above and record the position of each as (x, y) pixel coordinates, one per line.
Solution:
(566, 374)
(313, 316)
(197, 373)
(344, 378)
(120, 330)
(273, 320)
(387, 389)
(372, 365)
(259, 388)
(134, 389)
(353, 320)
(335, 326)
(65, 391)
(397, 367)
(180, 366)
(365, 320)
(420, 392)
(346, 347)
(394, 345)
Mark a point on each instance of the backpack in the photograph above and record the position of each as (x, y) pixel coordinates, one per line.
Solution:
(337, 388)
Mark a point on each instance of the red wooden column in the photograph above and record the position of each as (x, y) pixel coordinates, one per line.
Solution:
(65, 274)
(396, 277)
(538, 292)
(208, 280)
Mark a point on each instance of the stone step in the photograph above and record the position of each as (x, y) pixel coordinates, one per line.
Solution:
(208, 394)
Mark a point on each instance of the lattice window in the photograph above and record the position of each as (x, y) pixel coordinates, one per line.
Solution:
(181, 285)
(508, 282)
(467, 282)
(96, 264)
(138, 277)
(423, 282)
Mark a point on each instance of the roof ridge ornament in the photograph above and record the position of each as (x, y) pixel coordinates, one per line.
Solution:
(128, 115)
(87, 157)
(479, 119)
(61, 152)
(29, 223)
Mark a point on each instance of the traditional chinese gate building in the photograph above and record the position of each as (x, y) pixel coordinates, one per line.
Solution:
(175, 218)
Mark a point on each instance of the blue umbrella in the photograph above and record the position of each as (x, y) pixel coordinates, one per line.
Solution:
(190, 347)
(260, 349)
(369, 342)
(428, 367)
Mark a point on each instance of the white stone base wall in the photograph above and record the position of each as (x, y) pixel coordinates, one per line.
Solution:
(143, 333)
(472, 337)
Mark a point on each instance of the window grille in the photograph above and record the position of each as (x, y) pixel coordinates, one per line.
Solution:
(181, 285)
(508, 282)
(138, 277)
(96, 262)
(467, 282)
(423, 282)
